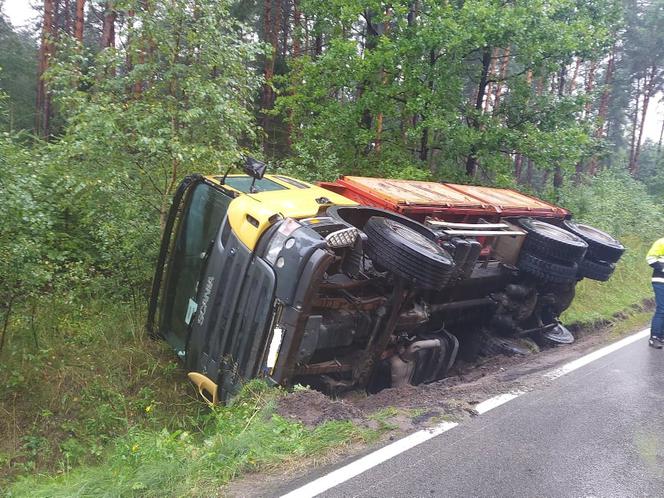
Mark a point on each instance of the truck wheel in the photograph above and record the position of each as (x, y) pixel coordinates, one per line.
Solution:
(407, 253)
(545, 239)
(601, 246)
(547, 271)
(596, 270)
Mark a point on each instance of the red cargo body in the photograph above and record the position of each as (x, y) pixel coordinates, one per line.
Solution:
(444, 201)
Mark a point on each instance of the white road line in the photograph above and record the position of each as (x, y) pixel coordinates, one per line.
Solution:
(385, 453)
(496, 401)
(357, 467)
(596, 355)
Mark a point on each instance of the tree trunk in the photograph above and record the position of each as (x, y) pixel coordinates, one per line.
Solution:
(271, 22)
(43, 108)
(296, 52)
(590, 84)
(530, 168)
(5, 322)
(67, 20)
(80, 20)
(130, 43)
(383, 82)
(647, 93)
(296, 30)
(575, 74)
(424, 140)
(518, 163)
(145, 45)
(502, 74)
(602, 111)
(274, 41)
(409, 119)
(489, 86)
(471, 161)
(659, 143)
(635, 124)
(562, 74)
(318, 44)
(108, 26)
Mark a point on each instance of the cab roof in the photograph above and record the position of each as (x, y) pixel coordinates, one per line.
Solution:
(274, 197)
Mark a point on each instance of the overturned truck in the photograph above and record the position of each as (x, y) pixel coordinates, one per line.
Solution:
(362, 282)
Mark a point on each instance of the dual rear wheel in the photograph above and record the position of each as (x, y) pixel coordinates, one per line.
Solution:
(568, 253)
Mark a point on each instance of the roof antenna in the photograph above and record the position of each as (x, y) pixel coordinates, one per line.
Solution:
(223, 180)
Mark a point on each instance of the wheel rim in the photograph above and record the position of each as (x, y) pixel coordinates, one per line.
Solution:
(595, 234)
(411, 236)
(414, 237)
(554, 232)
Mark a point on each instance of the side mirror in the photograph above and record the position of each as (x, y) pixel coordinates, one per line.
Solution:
(254, 168)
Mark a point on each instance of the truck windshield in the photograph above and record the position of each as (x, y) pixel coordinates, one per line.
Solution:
(204, 209)
(244, 184)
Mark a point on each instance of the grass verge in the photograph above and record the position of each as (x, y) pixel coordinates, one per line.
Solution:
(246, 436)
(91, 407)
(629, 285)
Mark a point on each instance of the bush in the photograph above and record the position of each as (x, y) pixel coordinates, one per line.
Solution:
(615, 202)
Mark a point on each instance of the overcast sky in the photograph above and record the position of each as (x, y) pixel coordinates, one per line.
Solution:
(21, 13)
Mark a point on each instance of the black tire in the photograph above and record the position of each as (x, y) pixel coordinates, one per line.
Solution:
(408, 254)
(596, 270)
(601, 246)
(547, 271)
(552, 242)
(493, 345)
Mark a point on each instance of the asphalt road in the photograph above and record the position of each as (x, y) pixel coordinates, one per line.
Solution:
(595, 432)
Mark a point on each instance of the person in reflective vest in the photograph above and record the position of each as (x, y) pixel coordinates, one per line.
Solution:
(655, 258)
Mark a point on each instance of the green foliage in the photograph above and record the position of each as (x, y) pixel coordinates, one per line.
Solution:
(24, 229)
(402, 96)
(130, 136)
(244, 436)
(18, 66)
(613, 201)
(184, 105)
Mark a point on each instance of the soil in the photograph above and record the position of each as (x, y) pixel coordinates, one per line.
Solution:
(414, 407)
(312, 408)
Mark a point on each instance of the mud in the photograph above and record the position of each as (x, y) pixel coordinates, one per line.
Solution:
(313, 408)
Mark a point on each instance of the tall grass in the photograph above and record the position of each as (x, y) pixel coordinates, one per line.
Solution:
(244, 436)
(92, 407)
(629, 285)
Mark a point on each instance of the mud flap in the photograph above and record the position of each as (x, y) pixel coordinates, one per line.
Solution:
(206, 388)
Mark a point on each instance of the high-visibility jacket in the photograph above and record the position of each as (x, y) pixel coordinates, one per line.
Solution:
(655, 258)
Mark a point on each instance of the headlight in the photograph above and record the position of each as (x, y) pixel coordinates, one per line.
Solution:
(273, 350)
(287, 227)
